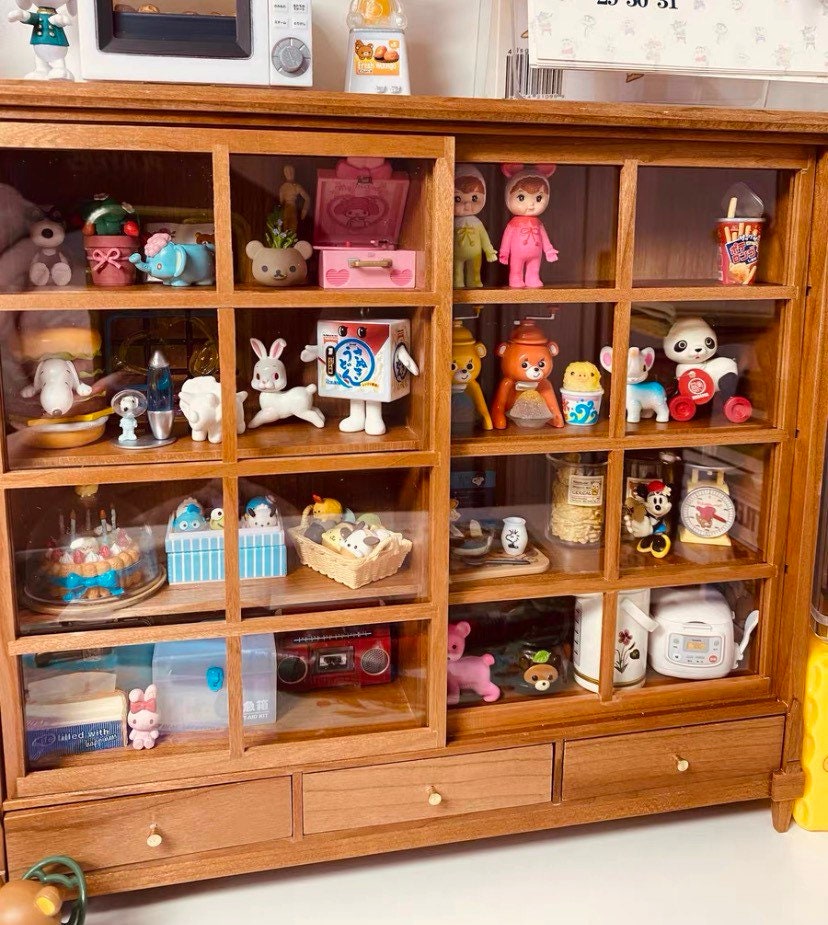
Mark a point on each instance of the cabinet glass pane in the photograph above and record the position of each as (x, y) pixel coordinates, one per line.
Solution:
(64, 373)
(125, 555)
(71, 219)
(353, 539)
(686, 634)
(523, 351)
(511, 652)
(576, 208)
(520, 518)
(677, 227)
(135, 702)
(703, 365)
(693, 507)
(366, 220)
(323, 381)
(345, 681)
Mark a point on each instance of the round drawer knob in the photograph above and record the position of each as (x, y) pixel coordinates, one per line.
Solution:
(682, 765)
(154, 838)
(435, 798)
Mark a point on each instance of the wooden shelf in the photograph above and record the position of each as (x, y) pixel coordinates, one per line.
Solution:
(297, 438)
(596, 291)
(520, 441)
(144, 296)
(106, 453)
(702, 290)
(302, 587)
(248, 295)
(701, 431)
(705, 563)
(167, 746)
(336, 711)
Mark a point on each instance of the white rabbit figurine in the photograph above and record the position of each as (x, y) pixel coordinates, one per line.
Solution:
(56, 380)
(48, 36)
(270, 379)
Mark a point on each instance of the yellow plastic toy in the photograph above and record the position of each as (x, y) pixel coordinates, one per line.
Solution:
(582, 376)
(811, 809)
(466, 354)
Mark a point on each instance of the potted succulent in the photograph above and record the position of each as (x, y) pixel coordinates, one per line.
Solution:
(111, 232)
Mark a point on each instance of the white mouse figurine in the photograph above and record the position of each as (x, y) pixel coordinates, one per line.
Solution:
(57, 382)
(48, 36)
(270, 379)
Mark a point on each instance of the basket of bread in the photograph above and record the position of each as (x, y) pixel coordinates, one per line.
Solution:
(354, 551)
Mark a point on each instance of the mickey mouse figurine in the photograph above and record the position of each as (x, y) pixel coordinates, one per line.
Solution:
(645, 517)
(48, 37)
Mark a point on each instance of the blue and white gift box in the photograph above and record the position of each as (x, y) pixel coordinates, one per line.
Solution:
(198, 555)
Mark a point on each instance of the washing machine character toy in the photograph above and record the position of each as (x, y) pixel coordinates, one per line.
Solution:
(691, 343)
(366, 362)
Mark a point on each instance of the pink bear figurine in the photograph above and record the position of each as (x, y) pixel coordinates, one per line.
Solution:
(468, 672)
(525, 240)
(142, 718)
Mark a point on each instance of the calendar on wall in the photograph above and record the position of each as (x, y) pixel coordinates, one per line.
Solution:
(769, 39)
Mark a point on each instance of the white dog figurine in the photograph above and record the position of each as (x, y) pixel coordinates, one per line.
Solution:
(57, 382)
(270, 379)
(48, 36)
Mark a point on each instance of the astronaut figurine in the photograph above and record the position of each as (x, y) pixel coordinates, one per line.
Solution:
(366, 362)
(48, 37)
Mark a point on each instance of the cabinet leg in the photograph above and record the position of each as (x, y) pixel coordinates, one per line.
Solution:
(781, 814)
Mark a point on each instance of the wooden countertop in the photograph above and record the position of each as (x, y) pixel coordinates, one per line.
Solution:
(192, 104)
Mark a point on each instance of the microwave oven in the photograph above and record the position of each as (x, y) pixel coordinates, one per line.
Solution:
(198, 41)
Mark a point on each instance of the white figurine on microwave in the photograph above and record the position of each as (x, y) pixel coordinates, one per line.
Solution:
(366, 362)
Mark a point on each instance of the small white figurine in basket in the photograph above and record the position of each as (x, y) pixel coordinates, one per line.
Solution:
(366, 362)
(270, 379)
(354, 553)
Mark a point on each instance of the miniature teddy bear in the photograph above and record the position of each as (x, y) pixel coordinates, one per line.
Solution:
(468, 672)
(466, 354)
(279, 266)
(142, 718)
(526, 364)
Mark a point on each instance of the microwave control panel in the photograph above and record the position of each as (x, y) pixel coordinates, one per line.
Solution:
(291, 63)
(695, 651)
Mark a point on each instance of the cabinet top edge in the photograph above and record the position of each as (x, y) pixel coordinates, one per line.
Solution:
(263, 106)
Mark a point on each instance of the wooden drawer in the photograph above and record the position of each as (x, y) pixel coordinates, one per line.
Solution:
(429, 789)
(672, 757)
(110, 833)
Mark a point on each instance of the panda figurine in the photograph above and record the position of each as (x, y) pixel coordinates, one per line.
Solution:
(691, 343)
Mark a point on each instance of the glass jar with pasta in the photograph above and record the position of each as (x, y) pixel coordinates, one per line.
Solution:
(576, 506)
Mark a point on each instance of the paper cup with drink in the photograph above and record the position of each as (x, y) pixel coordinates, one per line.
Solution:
(739, 236)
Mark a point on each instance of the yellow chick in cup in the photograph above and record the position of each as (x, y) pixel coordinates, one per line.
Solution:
(582, 377)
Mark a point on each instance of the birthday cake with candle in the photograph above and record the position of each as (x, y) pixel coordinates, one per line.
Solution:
(91, 558)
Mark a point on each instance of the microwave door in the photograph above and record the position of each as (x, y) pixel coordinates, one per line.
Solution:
(191, 41)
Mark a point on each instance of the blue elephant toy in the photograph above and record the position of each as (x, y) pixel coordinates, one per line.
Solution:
(177, 264)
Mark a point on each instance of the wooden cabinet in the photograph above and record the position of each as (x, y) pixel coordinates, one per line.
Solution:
(429, 789)
(136, 830)
(674, 758)
(337, 687)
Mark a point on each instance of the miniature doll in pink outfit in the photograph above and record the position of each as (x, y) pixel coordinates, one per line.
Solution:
(525, 240)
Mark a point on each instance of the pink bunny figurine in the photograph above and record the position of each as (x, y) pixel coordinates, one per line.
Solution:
(468, 672)
(142, 718)
(525, 240)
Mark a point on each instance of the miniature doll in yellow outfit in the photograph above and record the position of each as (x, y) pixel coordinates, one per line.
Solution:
(471, 240)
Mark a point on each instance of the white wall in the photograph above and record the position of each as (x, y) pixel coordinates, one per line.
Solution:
(442, 37)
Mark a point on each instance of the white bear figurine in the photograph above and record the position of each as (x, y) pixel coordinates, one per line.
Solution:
(200, 403)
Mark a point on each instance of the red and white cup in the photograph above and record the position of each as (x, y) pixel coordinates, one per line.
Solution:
(739, 250)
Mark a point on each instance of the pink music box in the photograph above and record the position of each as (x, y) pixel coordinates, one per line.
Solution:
(359, 211)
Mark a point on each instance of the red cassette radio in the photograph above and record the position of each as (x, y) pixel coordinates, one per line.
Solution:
(352, 655)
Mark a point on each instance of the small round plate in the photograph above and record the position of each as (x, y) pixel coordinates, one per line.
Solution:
(144, 442)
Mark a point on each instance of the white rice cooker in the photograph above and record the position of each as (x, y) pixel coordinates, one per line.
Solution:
(693, 637)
